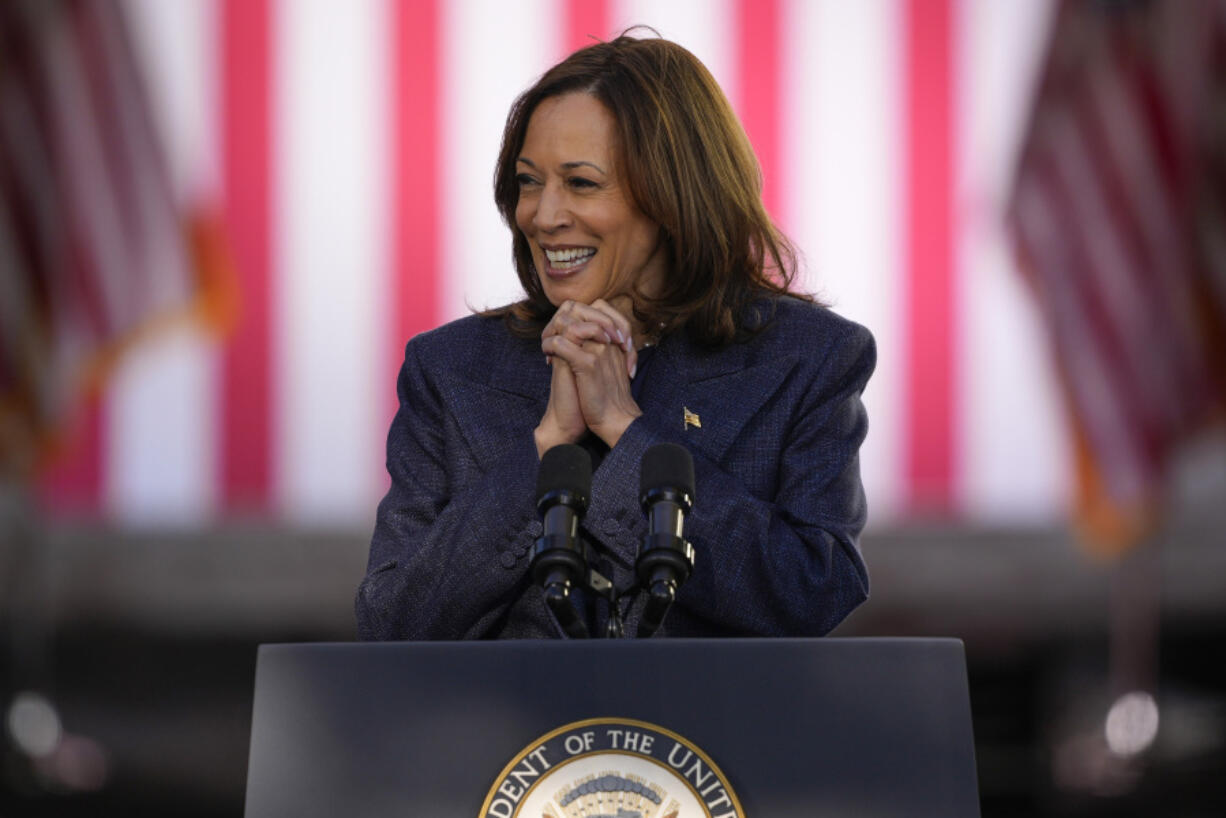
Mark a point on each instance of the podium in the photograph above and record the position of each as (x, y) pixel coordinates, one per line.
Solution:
(765, 728)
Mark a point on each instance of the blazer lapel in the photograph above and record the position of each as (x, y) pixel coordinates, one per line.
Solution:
(709, 397)
(497, 405)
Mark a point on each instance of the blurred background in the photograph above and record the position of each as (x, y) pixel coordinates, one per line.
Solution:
(220, 221)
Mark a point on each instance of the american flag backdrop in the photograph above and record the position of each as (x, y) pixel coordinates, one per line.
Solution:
(350, 147)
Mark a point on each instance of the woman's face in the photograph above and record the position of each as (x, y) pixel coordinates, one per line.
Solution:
(588, 238)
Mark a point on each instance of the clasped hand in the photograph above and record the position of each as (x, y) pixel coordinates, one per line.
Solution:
(591, 350)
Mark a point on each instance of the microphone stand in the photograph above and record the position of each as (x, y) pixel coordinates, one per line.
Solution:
(666, 558)
(555, 566)
(561, 558)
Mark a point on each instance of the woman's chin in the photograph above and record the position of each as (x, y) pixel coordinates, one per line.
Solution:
(560, 291)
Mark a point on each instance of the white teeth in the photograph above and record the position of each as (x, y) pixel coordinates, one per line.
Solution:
(570, 257)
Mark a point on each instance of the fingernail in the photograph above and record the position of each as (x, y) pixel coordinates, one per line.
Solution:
(634, 369)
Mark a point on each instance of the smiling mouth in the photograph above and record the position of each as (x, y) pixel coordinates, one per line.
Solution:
(562, 262)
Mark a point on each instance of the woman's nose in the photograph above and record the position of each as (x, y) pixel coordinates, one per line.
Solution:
(552, 212)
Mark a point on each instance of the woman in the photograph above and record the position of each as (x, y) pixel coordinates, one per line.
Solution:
(656, 309)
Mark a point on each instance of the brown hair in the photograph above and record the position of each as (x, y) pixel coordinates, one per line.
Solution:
(689, 167)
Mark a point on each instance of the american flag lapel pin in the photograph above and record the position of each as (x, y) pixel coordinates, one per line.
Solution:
(691, 419)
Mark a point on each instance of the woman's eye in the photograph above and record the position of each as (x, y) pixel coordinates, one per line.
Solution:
(579, 181)
(524, 179)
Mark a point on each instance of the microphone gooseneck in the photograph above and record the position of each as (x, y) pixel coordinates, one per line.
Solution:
(563, 488)
(666, 559)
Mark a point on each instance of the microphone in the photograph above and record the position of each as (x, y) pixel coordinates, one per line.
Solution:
(563, 486)
(666, 492)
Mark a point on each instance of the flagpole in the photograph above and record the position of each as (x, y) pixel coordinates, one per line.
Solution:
(1134, 618)
(26, 705)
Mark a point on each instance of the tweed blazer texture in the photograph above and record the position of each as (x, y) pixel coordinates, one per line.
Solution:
(778, 500)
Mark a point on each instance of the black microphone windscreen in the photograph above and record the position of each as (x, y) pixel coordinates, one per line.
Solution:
(667, 465)
(565, 468)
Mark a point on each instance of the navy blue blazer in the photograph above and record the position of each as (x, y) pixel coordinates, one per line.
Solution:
(778, 500)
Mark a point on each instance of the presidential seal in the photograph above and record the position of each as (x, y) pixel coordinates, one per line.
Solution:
(611, 768)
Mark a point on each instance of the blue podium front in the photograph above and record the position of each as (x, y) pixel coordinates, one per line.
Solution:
(766, 728)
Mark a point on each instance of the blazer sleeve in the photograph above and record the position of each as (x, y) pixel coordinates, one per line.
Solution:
(788, 564)
(448, 558)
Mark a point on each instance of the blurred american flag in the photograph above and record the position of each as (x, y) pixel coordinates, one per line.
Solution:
(93, 249)
(351, 149)
(1119, 212)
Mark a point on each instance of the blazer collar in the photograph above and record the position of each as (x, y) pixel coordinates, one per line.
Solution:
(520, 368)
(721, 389)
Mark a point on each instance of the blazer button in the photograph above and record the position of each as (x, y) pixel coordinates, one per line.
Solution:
(507, 559)
(610, 526)
(534, 529)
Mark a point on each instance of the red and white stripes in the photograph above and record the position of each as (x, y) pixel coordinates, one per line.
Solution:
(248, 44)
(352, 149)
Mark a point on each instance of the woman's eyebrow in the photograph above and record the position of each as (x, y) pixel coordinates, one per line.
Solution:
(566, 165)
(581, 163)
